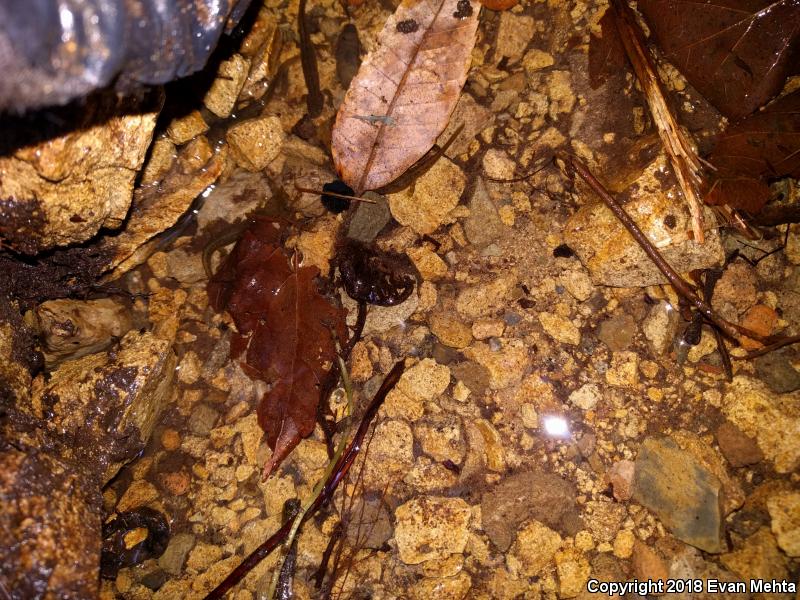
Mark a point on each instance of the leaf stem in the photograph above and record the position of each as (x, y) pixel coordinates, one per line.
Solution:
(336, 475)
(676, 281)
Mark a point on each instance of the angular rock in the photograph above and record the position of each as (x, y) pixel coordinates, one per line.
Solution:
(483, 225)
(578, 284)
(156, 208)
(49, 527)
(772, 419)
(733, 496)
(506, 364)
(660, 327)
(536, 60)
(586, 396)
(690, 564)
(604, 519)
(450, 330)
(784, 510)
(431, 527)
(102, 407)
(736, 290)
(514, 34)
(261, 46)
(381, 319)
(497, 164)
(391, 452)
(683, 494)
(614, 258)
(186, 128)
(490, 442)
(573, 572)
(777, 369)
(623, 370)
(621, 477)
(739, 449)
(63, 190)
(441, 437)
(255, 143)
(758, 558)
(560, 328)
(175, 555)
(482, 299)
(534, 548)
(617, 332)
(425, 380)
(445, 588)
(529, 495)
(374, 512)
(369, 218)
(647, 564)
(429, 264)
(231, 76)
(487, 328)
(424, 206)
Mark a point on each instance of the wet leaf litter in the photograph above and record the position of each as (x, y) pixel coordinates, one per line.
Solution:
(475, 340)
(286, 330)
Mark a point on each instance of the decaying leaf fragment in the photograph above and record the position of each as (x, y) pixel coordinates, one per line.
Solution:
(402, 97)
(753, 151)
(286, 331)
(737, 53)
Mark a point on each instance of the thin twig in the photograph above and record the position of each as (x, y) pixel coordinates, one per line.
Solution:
(676, 281)
(780, 343)
(299, 516)
(546, 163)
(326, 493)
(306, 190)
(308, 59)
(322, 570)
(685, 162)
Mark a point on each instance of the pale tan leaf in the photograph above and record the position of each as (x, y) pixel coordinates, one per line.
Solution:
(403, 95)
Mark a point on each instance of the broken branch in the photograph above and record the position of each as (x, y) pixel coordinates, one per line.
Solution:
(325, 493)
(685, 162)
(732, 330)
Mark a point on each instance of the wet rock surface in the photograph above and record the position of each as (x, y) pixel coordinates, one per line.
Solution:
(49, 526)
(684, 495)
(550, 426)
(614, 258)
(63, 190)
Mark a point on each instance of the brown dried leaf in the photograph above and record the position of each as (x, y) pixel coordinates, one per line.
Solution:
(755, 150)
(402, 97)
(285, 332)
(737, 53)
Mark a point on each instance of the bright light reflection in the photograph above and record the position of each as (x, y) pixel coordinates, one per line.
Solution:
(556, 426)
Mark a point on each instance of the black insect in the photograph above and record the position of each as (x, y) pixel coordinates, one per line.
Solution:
(407, 26)
(334, 203)
(463, 9)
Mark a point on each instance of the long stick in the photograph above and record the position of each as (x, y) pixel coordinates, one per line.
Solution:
(684, 289)
(685, 162)
(338, 473)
